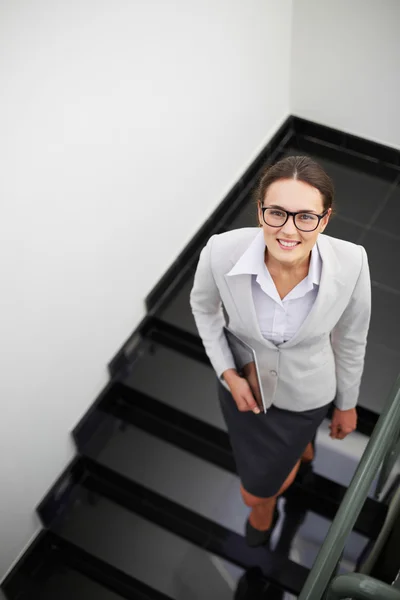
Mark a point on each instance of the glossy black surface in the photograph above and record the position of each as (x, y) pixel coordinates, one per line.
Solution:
(176, 474)
(139, 548)
(54, 568)
(389, 218)
(173, 378)
(66, 584)
(339, 227)
(385, 321)
(193, 527)
(383, 256)
(207, 490)
(178, 312)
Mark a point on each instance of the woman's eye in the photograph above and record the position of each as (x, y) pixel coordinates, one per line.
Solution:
(306, 217)
(278, 213)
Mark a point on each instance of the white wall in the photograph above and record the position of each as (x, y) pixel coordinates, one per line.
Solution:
(123, 124)
(345, 66)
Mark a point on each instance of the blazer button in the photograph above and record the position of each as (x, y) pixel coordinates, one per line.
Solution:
(274, 373)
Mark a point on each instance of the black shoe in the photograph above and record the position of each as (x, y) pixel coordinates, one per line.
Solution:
(251, 586)
(256, 537)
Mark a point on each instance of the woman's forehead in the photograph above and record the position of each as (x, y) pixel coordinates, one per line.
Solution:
(294, 195)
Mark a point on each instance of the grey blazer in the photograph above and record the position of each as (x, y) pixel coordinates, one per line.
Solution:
(324, 360)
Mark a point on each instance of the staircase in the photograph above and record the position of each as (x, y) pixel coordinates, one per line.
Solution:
(150, 507)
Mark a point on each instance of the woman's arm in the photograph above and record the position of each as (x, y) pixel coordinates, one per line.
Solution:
(206, 305)
(349, 339)
(207, 310)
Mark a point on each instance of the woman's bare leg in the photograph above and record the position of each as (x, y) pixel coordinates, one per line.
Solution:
(308, 454)
(262, 509)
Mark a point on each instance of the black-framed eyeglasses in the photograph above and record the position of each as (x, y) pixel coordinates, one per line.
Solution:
(304, 221)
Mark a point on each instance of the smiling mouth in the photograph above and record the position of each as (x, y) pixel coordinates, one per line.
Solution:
(288, 245)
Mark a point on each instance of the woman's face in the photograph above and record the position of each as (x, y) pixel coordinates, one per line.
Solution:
(294, 196)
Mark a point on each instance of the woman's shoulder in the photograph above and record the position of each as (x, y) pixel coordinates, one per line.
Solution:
(226, 248)
(345, 252)
(243, 236)
(341, 245)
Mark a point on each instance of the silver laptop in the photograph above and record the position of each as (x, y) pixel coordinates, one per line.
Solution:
(246, 365)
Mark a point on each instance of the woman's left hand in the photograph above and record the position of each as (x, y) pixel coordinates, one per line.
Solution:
(343, 423)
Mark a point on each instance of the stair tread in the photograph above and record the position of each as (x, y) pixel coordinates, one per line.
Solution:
(177, 311)
(142, 549)
(171, 471)
(53, 567)
(67, 584)
(176, 383)
(200, 486)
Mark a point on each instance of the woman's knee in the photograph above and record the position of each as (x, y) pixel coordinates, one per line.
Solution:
(252, 501)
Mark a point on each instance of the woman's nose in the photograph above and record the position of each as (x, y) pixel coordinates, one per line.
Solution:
(289, 227)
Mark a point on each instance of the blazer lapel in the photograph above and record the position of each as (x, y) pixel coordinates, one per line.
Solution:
(239, 282)
(240, 287)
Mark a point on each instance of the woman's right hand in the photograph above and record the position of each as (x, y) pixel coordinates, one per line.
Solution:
(241, 391)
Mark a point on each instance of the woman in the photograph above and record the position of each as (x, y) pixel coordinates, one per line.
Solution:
(302, 300)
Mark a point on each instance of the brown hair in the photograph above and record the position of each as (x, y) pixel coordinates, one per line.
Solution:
(302, 168)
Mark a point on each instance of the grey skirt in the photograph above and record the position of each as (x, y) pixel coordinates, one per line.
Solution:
(266, 447)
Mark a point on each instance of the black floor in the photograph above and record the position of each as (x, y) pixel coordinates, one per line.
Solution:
(150, 507)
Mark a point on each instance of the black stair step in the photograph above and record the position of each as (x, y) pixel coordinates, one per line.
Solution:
(67, 584)
(198, 485)
(179, 359)
(177, 311)
(209, 443)
(53, 568)
(102, 518)
(130, 526)
(109, 530)
(170, 471)
(127, 586)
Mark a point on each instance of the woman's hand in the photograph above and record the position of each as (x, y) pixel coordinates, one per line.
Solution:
(240, 391)
(343, 423)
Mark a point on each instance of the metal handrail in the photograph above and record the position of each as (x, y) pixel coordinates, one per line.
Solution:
(389, 461)
(360, 587)
(329, 555)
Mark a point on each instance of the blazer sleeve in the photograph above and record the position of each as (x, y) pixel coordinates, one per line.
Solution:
(349, 339)
(206, 305)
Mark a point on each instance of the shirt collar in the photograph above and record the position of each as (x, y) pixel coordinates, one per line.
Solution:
(252, 261)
